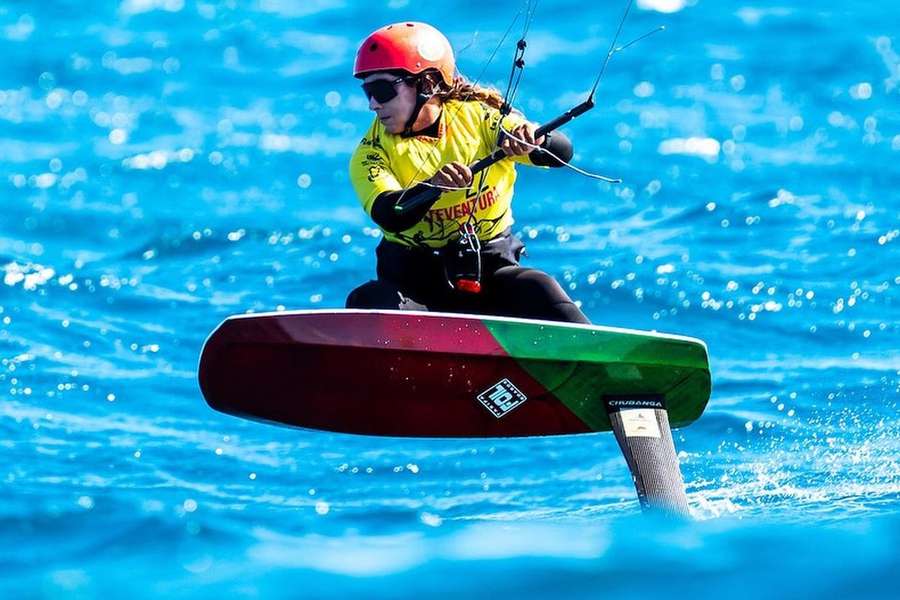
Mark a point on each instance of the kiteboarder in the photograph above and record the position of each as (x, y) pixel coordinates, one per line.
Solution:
(455, 252)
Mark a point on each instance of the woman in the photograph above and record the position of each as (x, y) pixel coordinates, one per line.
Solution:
(454, 253)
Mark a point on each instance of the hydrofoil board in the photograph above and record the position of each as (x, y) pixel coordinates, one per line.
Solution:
(422, 374)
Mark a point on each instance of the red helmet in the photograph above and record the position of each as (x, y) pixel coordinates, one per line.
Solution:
(408, 46)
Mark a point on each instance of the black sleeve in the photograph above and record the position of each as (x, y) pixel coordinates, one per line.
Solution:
(386, 216)
(557, 143)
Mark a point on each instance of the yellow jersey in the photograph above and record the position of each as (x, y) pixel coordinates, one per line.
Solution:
(467, 131)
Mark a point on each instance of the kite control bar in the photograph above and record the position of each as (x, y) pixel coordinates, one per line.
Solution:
(432, 194)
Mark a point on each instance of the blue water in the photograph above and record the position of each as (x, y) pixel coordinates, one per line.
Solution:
(168, 163)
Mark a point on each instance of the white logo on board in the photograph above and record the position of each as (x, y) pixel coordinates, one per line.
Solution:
(501, 398)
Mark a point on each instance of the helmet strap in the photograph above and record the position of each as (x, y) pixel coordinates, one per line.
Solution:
(421, 99)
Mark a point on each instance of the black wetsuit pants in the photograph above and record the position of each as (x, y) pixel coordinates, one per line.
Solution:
(416, 279)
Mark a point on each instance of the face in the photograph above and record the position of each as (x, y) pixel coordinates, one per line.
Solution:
(395, 112)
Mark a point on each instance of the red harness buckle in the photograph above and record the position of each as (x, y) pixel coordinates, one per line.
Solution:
(468, 285)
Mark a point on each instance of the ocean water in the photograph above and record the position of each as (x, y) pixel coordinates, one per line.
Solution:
(167, 163)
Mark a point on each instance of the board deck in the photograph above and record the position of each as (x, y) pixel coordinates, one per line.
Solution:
(423, 374)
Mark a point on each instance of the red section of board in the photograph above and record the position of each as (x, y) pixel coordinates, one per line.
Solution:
(390, 331)
(384, 374)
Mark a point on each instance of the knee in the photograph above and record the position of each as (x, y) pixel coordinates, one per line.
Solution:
(527, 282)
(374, 294)
(534, 294)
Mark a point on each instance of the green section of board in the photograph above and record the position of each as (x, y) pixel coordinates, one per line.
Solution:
(581, 365)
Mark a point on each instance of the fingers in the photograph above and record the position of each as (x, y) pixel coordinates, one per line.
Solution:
(511, 146)
(526, 133)
(462, 174)
(525, 142)
(454, 174)
(539, 141)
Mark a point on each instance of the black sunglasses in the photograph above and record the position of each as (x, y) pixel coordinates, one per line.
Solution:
(383, 90)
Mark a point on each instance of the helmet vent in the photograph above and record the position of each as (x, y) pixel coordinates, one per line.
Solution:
(373, 47)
